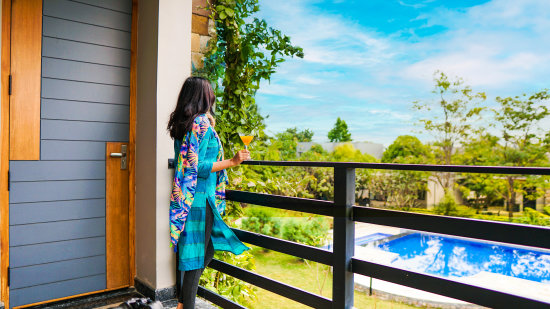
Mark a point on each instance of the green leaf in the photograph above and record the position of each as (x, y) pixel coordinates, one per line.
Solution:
(229, 12)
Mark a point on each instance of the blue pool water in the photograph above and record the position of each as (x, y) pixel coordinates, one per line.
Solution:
(359, 241)
(445, 256)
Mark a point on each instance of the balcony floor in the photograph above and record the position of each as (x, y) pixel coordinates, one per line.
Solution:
(200, 303)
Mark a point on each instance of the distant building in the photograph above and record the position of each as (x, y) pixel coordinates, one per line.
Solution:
(373, 149)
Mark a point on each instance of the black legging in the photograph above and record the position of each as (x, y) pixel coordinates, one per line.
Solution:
(187, 282)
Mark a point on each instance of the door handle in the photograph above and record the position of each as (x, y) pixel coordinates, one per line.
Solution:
(121, 155)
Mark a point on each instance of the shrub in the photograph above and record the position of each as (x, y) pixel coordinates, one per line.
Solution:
(262, 221)
(231, 287)
(447, 206)
(546, 210)
(534, 217)
(312, 231)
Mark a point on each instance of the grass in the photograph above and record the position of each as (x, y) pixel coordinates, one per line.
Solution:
(307, 276)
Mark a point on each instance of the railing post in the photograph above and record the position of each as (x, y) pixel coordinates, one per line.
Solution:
(344, 238)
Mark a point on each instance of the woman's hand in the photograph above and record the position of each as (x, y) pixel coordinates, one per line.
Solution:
(240, 157)
(227, 163)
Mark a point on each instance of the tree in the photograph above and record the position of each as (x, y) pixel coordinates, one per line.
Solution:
(347, 153)
(402, 188)
(339, 133)
(524, 142)
(302, 136)
(451, 118)
(486, 188)
(407, 148)
(287, 141)
(244, 52)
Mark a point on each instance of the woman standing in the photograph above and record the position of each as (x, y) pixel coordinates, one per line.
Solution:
(198, 193)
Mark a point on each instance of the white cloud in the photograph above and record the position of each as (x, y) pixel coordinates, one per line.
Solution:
(276, 89)
(416, 4)
(497, 45)
(308, 80)
(371, 79)
(534, 14)
(328, 39)
(307, 96)
(479, 69)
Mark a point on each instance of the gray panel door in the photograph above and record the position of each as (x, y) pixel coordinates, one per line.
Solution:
(57, 204)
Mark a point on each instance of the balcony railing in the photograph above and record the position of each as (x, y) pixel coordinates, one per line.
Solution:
(342, 259)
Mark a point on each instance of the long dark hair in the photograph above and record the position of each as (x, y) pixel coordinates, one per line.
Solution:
(196, 97)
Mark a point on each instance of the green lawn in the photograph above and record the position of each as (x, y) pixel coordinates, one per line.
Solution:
(290, 270)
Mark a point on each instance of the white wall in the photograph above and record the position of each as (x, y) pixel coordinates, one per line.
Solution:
(164, 61)
(174, 66)
(435, 193)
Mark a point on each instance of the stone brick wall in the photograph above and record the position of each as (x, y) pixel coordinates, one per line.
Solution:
(202, 29)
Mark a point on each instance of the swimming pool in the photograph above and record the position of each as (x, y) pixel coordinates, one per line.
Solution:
(359, 241)
(452, 257)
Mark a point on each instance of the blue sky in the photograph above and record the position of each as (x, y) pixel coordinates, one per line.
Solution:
(366, 61)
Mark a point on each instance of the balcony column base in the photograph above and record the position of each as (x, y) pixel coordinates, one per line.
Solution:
(160, 294)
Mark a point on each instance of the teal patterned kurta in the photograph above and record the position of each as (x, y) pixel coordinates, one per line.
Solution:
(191, 243)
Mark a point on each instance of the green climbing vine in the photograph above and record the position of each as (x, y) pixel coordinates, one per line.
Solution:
(244, 52)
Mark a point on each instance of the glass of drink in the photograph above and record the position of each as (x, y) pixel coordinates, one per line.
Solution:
(246, 137)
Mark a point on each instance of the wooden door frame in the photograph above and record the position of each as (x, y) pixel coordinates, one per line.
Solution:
(132, 143)
(4, 154)
(5, 140)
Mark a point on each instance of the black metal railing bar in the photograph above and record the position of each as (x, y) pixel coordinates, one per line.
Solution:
(296, 294)
(466, 292)
(319, 207)
(505, 232)
(284, 246)
(217, 299)
(514, 170)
